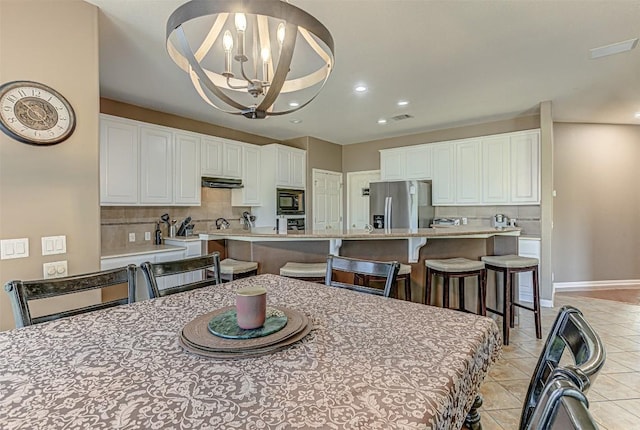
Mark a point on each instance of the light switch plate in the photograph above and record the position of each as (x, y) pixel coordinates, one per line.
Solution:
(55, 269)
(14, 248)
(54, 245)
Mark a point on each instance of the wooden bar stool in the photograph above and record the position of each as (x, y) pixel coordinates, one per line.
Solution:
(404, 275)
(459, 268)
(313, 272)
(231, 269)
(510, 266)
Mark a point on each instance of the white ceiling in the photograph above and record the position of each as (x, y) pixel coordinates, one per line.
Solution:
(456, 62)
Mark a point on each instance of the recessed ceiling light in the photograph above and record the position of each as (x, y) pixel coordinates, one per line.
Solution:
(637, 115)
(294, 104)
(382, 121)
(614, 48)
(403, 103)
(295, 121)
(360, 88)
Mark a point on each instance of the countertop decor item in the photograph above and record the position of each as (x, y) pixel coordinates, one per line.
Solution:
(251, 47)
(34, 113)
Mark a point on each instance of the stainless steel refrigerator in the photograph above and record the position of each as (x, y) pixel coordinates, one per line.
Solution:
(400, 204)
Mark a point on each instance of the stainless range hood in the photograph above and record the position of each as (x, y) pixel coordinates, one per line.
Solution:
(221, 182)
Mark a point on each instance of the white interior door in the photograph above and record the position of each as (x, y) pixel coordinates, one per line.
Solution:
(358, 197)
(327, 199)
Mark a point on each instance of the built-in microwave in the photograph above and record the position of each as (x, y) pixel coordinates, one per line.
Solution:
(289, 202)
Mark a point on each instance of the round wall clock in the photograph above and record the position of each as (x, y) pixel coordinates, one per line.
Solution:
(34, 113)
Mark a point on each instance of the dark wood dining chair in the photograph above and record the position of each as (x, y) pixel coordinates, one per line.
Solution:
(570, 332)
(562, 406)
(23, 292)
(379, 269)
(198, 266)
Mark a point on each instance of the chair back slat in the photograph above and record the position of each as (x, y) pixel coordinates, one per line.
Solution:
(154, 271)
(386, 270)
(572, 332)
(562, 406)
(22, 292)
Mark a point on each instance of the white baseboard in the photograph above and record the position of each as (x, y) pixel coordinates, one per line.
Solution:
(596, 285)
(528, 297)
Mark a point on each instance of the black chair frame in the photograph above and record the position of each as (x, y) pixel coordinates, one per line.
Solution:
(152, 271)
(569, 331)
(562, 406)
(387, 270)
(22, 292)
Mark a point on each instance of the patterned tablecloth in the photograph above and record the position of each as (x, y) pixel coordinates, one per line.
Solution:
(369, 362)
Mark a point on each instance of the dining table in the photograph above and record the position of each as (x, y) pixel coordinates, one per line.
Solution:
(367, 362)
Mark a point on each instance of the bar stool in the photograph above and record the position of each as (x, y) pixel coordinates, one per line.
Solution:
(509, 266)
(404, 274)
(313, 272)
(231, 269)
(459, 268)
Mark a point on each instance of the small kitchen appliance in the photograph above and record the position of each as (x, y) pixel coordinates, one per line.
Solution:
(500, 221)
(289, 202)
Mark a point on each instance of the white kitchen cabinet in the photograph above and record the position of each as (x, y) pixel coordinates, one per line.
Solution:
(392, 164)
(156, 165)
(291, 166)
(525, 168)
(249, 194)
(443, 188)
(495, 170)
(118, 161)
(411, 162)
(142, 292)
(527, 247)
(221, 158)
(147, 164)
(187, 183)
(468, 185)
(418, 162)
(194, 249)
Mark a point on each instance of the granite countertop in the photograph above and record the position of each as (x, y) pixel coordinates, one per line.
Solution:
(434, 232)
(191, 238)
(140, 250)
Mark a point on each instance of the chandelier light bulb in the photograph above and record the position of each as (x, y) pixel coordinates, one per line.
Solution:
(241, 22)
(280, 33)
(227, 41)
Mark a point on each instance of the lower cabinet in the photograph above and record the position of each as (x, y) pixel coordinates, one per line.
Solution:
(142, 293)
(527, 247)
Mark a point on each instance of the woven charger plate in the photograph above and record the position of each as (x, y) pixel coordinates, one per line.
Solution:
(248, 353)
(196, 333)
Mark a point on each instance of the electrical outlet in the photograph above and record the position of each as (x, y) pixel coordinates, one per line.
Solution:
(132, 237)
(147, 235)
(55, 269)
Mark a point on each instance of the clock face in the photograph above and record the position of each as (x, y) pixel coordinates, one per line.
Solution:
(35, 113)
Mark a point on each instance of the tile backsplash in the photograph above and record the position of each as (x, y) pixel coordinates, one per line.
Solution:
(118, 221)
(527, 217)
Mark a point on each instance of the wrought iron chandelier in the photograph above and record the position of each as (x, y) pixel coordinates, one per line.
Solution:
(244, 61)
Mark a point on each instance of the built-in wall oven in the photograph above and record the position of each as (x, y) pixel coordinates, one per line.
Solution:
(289, 202)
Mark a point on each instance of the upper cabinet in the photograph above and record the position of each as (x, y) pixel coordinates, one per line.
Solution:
(119, 153)
(221, 158)
(410, 162)
(249, 194)
(502, 169)
(148, 165)
(291, 166)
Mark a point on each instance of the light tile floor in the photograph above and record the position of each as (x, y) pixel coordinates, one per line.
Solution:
(615, 395)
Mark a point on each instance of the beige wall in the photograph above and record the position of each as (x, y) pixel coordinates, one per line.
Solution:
(46, 191)
(596, 235)
(365, 156)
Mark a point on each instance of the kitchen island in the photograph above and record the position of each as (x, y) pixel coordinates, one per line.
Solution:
(272, 250)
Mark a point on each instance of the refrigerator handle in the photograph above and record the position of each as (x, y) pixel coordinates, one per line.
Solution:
(387, 213)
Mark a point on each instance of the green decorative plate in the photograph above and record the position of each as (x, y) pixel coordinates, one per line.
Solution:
(226, 325)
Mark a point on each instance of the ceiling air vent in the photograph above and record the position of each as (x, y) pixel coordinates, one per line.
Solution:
(401, 117)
